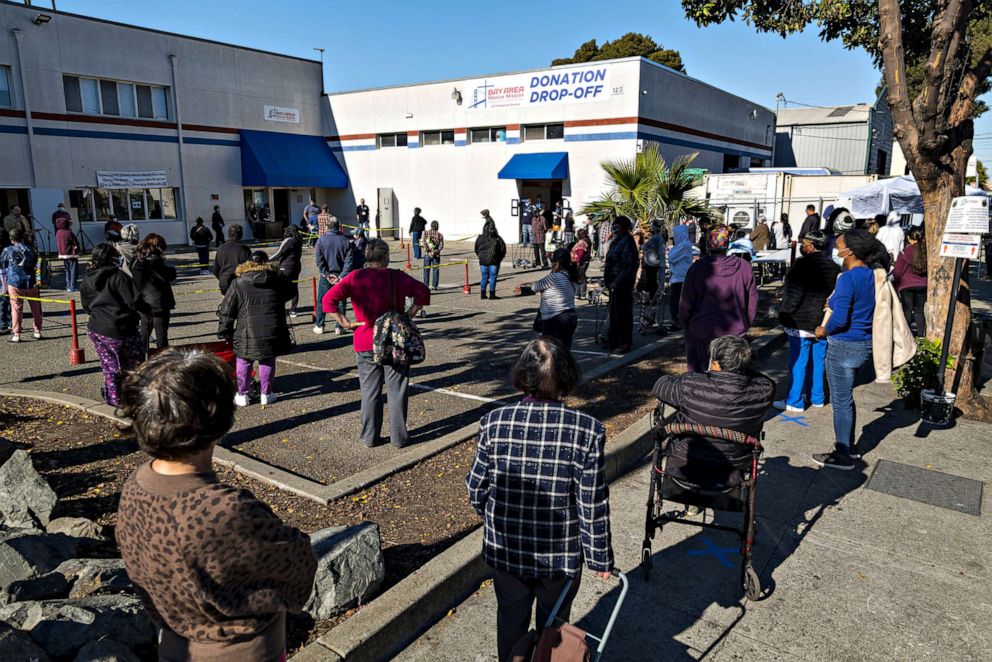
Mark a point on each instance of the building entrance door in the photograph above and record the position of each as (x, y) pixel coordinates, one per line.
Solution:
(280, 207)
(387, 214)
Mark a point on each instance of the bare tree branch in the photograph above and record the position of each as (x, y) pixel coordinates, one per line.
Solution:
(968, 90)
(893, 57)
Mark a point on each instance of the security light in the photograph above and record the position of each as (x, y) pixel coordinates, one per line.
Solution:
(456, 96)
(41, 19)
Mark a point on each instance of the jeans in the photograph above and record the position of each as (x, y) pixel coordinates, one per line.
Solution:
(807, 358)
(203, 257)
(489, 274)
(674, 297)
(432, 274)
(525, 234)
(515, 601)
(914, 301)
(371, 376)
(581, 288)
(844, 359)
(158, 322)
(323, 287)
(417, 248)
(561, 326)
(266, 374)
(540, 255)
(71, 274)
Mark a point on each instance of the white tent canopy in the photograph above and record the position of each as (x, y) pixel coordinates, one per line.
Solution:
(899, 194)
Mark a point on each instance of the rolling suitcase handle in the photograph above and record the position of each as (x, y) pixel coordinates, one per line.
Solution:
(625, 585)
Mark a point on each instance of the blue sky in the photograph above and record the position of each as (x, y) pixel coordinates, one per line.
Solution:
(384, 42)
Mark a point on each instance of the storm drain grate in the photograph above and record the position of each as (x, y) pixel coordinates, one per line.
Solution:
(931, 487)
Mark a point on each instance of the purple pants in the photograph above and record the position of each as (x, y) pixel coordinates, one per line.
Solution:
(266, 373)
(117, 356)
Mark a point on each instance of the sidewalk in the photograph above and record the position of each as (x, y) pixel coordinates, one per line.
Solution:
(854, 573)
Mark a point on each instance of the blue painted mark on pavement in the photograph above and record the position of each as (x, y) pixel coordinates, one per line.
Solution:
(798, 420)
(720, 553)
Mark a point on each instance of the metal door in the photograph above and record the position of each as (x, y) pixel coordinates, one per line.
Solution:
(386, 214)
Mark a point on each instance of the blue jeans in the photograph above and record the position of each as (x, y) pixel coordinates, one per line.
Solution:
(5, 317)
(806, 366)
(71, 274)
(844, 359)
(323, 287)
(415, 240)
(489, 274)
(431, 274)
(525, 234)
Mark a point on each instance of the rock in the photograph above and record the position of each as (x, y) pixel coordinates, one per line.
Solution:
(16, 645)
(77, 527)
(26, 500)
(106, 650)
(49, 586)
(62, 627)
(6, 449)
(95, 577)
(350, 568)
(26, 554)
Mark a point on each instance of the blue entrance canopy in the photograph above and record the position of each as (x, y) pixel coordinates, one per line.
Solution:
(544, 165)
(288, 159)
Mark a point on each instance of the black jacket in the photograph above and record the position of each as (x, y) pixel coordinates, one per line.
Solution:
(418, 224)
(253, 312)
(112, 301)
(289, 257)
(154, 277)
(724, 399)
(622, 262)
(811, 223)
(491, 249)
(808, 284)
(201, 235)
(231, 254)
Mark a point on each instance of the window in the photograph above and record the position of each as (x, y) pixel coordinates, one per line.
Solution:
(445, 137)
(883, 162)
(731, 162)
(126, 205)
(495, 134)
(544, 132)
(5, 98)
(136, 198)
(109, 97)
(392, 140)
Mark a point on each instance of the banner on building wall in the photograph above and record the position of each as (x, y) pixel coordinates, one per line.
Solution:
(280, 114)
(539, 88)
(149, 179)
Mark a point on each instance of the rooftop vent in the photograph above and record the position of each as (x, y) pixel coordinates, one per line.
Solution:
(840, 112)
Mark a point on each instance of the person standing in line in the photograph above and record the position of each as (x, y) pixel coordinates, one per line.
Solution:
(310, 216)
(112, 301)
(324, 219)
(216, 569)
(253, 316)
(251, 212)
(605, 234)
(418, 225)
(909, 277)
(289, 258)
(557, 222)
(130, 236)
(16, 220)
(153, 278)
(538, 230)
(201, 237)
(619, 274)
(490, 249)
(557, 311)
(362, 214)
(810, 223)
(892, 235)
(581, 256)
(18, 262)
(68, 247)
(760, 236)
(217, 222)
(653, 261)
(538, 533)
(719, 298)
(334, 255)
(4, 301)
(359, 243)
(433, 245)
(227, 258)
(782, 232)
(526, 220)
(568, 228)
(679, 261)
(807, 285)
(374, 291)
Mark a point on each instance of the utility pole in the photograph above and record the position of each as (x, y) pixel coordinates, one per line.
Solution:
(321, 51)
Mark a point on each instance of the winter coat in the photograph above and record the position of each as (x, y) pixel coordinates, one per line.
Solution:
(153, 277)
(229, 257)
(65, 240)
(680, 256)
(334, 254)
(538, 229)
(760, 237)
(24, 223)
(807, 285)
(622, 262)
(490, 247)
(253, 312)
(812, 222)
(903, 275)
(201, 235)
(112, 300)
(17, 263)
(289, 257)
(418, 224)
(892, 235)
(724, 399)
(892, 341)
(719, 297)
(126, 250)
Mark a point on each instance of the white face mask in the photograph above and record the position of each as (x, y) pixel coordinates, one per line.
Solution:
(837, 257)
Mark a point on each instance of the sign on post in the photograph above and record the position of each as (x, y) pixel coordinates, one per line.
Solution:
(960, 245)
(968, 215)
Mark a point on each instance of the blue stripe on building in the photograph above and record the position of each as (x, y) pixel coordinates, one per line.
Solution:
(14, 129)
(460, 143)
(78, 133)
(351, 148)
(665, 140)
(211, 141)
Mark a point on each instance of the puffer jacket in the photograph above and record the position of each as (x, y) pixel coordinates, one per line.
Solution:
(253, 312)
(112, 301)
(153, 277)
(490, 247)
(289, 257)
(724, 399)
(807, 286)
(227, 259)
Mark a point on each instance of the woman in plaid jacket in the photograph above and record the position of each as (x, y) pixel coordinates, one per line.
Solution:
(539, 483)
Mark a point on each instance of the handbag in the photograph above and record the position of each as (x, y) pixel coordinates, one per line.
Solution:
(396, 340)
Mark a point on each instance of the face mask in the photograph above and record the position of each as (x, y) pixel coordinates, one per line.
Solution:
(837, 258)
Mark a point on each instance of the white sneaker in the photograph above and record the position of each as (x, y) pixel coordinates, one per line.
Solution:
(241, 400)
(819, 406)
(269, 398)
(293, 313)
(36, 335)
(338, 330)
(205, 272)
(780, 404)
(14, 339)
(318, 330)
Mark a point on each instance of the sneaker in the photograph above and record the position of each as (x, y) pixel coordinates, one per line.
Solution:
(820, 405)
(855, 454)
(14, 339)
(241, 399)
(780, 404)
(36, 335)
(834, 460)
(338, 330)
(293, 313)
(269, 398)
(318, 330)
(692, 511)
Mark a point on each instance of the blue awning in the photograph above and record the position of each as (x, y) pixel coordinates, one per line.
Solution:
(545, 165)
(288, 159)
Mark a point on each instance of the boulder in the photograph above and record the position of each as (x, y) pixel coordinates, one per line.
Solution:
(26, 554)
(106, 650)
(6, 449)
(350, 568)
(62, 627)
(77, 527)
(26, 500)
(16, 645)
(50, 586)
(95, 577)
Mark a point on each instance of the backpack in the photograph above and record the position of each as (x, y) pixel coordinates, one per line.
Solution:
(396, 341)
